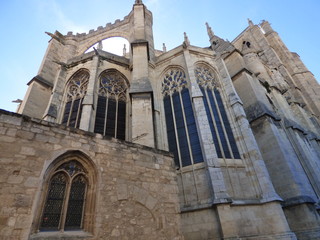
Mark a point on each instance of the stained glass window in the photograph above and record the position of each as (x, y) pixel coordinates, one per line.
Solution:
(183, 138)
(67, 184)
(111, 107)
(222, 134)
(76, 90)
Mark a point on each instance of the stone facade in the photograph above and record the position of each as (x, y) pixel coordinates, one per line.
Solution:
(241, 119)
(133, 191)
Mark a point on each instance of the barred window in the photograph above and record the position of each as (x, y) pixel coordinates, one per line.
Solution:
(222, 134)
(111, 107)
(64, 205)
(183, 138)
(76, 90)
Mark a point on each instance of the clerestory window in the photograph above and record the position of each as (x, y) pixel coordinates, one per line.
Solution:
(75, 91)
(183, 138)
(111, 107)
(65, 200)
(222, 134)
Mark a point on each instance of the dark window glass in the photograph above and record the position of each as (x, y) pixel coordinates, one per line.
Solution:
(121, 127)
(75, 204)
(213, 131)
(183, 142)
(100, 115)
(227, 125)
(170, 129)
(111, 118)
(192, 128)
(221, 134)
(111, 107)
(66, 113)
(65, 200)
(54, 203)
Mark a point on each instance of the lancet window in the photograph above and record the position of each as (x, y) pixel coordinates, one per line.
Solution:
(182, 132)
(111, 107)
(76, 90)
(222, 134)
(65, 200)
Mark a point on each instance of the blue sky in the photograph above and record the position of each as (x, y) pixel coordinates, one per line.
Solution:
(23, 23)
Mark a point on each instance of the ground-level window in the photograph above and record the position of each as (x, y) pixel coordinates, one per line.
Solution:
(65, 199)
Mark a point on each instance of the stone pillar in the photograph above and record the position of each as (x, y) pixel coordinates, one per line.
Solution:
(87, 115)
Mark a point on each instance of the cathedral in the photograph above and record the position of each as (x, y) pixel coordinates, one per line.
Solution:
(194, 143)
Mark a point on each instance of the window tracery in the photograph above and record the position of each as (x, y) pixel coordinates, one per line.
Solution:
(64, 205)
(111, 107)
(221, 131)
(75, 91)
(183, 138)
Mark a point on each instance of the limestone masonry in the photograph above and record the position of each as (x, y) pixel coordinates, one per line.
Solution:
(192, 143)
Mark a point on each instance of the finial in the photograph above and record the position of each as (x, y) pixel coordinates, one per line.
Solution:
(124, 50)
(186, 39)
(100, 46)
(164, 48)
(209, 30)
(250, 22)
(138, 1)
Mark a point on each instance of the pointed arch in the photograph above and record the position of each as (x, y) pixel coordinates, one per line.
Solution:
(76, 89)
(182, 131)
(68, 195)
(111, 111)
(221, 131)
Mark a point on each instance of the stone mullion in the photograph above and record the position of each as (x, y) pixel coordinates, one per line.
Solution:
(70, 112)
(189, 145)
(65, 205)
(178, 146)
(116, 117)
(78, 112)
(214, 124)
(87, 115)
(106, 116)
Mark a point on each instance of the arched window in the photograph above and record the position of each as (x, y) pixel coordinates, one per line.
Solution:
(223, 138)
(65, 201)
(111, 108)
(182, 132)
(76, 90)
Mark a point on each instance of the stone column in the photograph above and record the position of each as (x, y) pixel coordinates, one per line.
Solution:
(87, 115)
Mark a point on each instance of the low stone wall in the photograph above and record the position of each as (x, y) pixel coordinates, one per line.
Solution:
(136, 193)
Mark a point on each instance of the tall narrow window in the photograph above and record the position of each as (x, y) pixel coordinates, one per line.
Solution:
(111, 108)
(182, 132)
(64, 205)
(222, 134)
(76, 90)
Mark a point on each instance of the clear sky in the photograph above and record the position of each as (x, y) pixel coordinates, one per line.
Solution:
(23, 23)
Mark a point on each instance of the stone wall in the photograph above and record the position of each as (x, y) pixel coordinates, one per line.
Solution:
(136, 189)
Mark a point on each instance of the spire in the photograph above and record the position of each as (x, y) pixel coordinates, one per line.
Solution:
(209, 30)
(164, 48)
(100, 46)
(124, 50)
(186, 39)
(250, 22)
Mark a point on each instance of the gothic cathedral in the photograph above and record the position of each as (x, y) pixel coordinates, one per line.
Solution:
(193, 143)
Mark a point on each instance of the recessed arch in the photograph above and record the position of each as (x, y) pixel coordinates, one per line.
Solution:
(111, 114)
(115, 45)
(75, 91)
(95, 39)
(73, 175)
